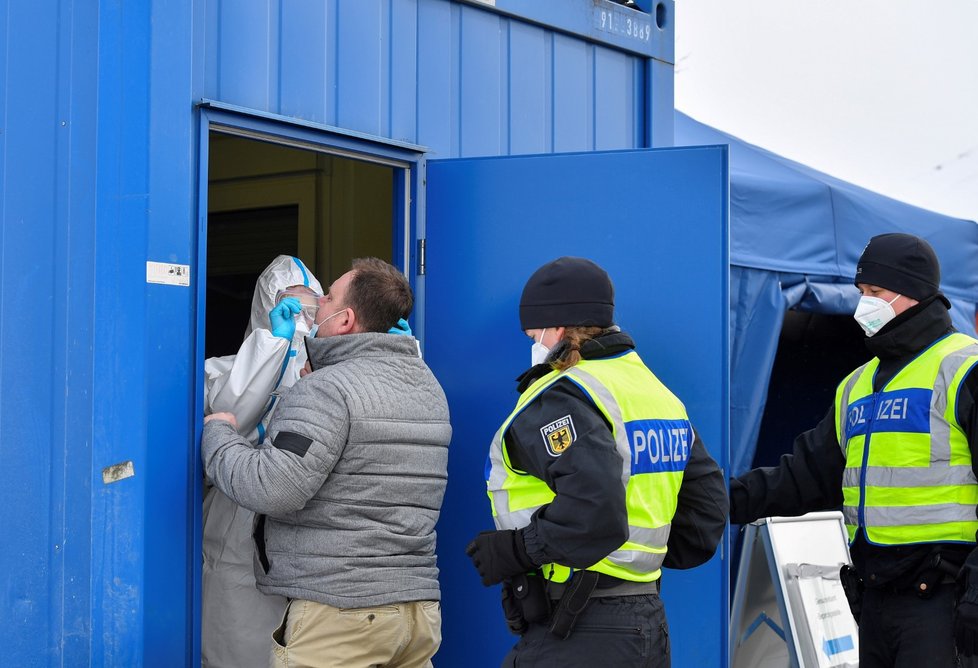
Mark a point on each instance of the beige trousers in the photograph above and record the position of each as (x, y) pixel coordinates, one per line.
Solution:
(313, 635)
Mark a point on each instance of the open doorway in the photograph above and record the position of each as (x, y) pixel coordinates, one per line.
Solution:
(267, 199)
(266, 196)
(270, 187)
(815, 352)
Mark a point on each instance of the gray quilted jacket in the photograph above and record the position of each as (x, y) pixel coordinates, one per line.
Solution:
(351, 478)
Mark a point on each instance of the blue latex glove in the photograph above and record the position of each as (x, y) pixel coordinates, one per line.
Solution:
(402, 327)
(282, 317)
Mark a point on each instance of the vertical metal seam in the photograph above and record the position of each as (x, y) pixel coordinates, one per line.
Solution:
(336, 67)
(280, 57)
(553, 92)
(507, 71)
(592, 63)
(389, 130)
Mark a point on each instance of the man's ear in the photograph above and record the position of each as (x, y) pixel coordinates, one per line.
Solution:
(348, 324)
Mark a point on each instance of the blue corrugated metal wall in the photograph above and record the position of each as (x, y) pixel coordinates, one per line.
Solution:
(97, 158)
(458, 79)
(45, 315)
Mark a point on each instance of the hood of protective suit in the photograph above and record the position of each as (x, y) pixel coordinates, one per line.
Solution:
(284, 271)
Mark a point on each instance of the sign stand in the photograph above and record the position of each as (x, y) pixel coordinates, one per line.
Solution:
(789, 608)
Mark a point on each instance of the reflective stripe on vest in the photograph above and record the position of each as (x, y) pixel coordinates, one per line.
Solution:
(908, 476)
(652, 436)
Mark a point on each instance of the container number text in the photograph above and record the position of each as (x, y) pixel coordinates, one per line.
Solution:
(620, 24)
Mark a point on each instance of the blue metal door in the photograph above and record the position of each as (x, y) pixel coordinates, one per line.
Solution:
(657, 221)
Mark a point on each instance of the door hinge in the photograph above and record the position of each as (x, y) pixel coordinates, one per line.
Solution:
(422, 259)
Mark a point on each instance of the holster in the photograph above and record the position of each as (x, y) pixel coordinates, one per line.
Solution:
(513, 611)
(525, 601)
(853, 586)
(572, 603)
(939, 570)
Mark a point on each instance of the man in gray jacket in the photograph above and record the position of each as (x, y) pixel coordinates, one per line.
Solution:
(348, 485)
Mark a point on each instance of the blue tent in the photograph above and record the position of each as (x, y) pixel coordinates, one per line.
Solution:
(795, 237)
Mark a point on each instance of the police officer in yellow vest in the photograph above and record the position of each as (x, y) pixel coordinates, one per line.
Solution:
(596, 480)
(896, 453)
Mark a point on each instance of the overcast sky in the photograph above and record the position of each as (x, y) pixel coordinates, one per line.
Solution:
(882, 93)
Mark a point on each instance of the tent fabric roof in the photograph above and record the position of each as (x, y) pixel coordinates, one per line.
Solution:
(795, 237)
(787, 217)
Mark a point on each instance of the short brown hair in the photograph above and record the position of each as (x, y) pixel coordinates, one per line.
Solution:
(379, 294)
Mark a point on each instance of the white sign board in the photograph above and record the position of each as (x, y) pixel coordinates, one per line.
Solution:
(789, 606)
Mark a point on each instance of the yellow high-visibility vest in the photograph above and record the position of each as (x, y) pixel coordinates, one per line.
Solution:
(653, 436)
(908, 475)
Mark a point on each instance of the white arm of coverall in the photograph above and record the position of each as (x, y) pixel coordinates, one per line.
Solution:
(241, 384)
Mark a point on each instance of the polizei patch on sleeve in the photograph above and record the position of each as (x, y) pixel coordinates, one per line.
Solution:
(558, 435)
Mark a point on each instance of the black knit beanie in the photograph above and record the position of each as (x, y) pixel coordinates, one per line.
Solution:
(568, 292)
(902, 263)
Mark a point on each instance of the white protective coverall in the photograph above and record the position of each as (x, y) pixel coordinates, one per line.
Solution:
(237, 620)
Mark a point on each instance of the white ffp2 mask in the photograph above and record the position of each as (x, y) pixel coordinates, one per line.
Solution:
(872, 313)
(538, 351)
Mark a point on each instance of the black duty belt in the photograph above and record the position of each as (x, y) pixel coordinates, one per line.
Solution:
(609, 586)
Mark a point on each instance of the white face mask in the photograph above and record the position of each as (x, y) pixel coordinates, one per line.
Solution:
(538, 351)
(872, 313)
(316, 326)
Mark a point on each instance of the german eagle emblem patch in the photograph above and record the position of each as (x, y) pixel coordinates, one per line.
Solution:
(558, 435)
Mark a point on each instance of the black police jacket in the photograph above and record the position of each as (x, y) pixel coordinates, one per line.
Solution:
(810, 478)
(587, 520)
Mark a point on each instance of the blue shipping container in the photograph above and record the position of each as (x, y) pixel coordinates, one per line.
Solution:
(492, 127)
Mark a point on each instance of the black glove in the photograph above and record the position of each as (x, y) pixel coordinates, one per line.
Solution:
(966, 623)
(498, 555)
